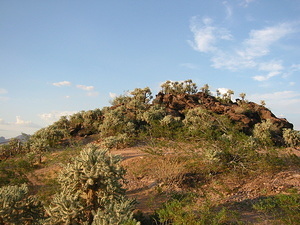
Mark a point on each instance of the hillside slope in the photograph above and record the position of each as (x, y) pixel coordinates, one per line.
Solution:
(191, 158)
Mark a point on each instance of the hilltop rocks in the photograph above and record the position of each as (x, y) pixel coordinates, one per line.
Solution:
(245, 114)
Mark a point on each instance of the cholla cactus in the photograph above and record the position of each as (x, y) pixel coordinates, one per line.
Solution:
(198, 119)
(170, 120)
(89, 185)
(115, 141)
(262, 132)
(155, 113)
(179, 87)
(18, 207)
(116, 213)
(291, 137)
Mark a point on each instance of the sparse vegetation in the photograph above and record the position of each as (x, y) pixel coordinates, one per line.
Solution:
(196, 154)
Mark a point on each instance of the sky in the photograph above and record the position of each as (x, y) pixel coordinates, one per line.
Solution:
(60, 57)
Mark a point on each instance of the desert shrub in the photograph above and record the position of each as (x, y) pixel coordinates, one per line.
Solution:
(117, 121)
(46, 138)
(153, 114)
(284, 207)
(171, 121)
(12, 148)
(12, 171)
(167, 127)
(81, 123)
(119, 140)
(174, 212)
(291, 137)
(18, 207)
(187, 211)
(201, 122)
(91, 191)
(234, 152)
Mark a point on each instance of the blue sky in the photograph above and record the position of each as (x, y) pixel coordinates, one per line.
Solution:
(60, 57)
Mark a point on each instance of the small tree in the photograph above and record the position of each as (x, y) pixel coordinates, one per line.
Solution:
(91, 191)
(18, 207)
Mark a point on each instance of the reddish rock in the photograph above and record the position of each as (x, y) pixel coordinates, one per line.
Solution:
(246, 114)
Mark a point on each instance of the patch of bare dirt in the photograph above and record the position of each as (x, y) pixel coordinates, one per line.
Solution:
(236, 192)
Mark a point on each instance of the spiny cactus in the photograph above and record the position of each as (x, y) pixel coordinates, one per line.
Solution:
(182, 87)
(262, 132)
(291, 137)
(18, 207)
(91, 188)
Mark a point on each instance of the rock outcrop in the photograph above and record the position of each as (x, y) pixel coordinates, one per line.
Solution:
(245, 114)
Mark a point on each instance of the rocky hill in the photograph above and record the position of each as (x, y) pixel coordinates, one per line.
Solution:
(190, 158)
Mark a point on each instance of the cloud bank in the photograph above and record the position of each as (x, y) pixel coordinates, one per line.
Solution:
(247, 54)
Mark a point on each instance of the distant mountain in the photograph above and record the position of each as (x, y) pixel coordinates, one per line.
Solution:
(3, 140)
(23, 137)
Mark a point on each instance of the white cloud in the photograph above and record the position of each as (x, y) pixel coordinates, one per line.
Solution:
(206, 35)
(85, 88)
(259, 42)
(271, 66)
(292, 83)
(228, 9)
(231, 61)
(62, 83)
(248, 54)
(3, 91)
(93, 93)
(112, 95)
(13, 129)
(21, 122)
(266, 77)
(223, 90)
(295, 67)
(245, 3)
(55, 115)
(283, 103)
(3, 98)
(2, 121)
(281, 95)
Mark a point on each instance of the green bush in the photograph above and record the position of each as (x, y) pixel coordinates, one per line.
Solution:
(188, 212)
(285, 207)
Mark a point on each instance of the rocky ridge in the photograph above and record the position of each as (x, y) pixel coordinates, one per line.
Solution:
(245, 114)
